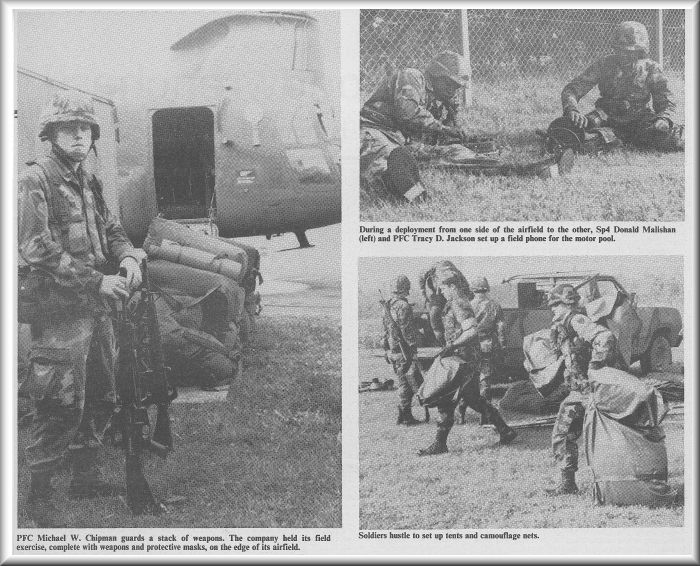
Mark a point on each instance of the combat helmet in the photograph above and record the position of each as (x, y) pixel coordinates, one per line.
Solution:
(631, 36)
(480, 285)
(562, 294)
(68, 106)
(400, 285)
(449, 64)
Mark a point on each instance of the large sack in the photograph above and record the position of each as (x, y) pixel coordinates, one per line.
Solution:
(161, 229)
(442, 380)
(624, 441)
(523, 397)
(544, 365)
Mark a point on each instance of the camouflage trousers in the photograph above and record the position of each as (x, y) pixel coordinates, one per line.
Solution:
(639, 132)
(567, 430)
(376, 145)
(71, 382)
(407, 382)
(468, 396)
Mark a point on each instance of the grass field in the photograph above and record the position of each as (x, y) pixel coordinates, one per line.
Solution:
(627, 185)
(267, 457)
(480, 484)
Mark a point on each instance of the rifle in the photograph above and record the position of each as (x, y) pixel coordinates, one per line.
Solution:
(142, 382)
(406, 350)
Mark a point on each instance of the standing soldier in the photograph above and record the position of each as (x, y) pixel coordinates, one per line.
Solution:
(584, 344)
(490, 328)
(68, 235)
(628, 81)
(434, 299)
(461, 335)
(406, 370)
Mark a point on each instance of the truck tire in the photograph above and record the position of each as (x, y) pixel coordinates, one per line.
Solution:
(658, 355)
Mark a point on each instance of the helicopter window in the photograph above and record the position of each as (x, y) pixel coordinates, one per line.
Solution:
(183, 161)
(257, 45)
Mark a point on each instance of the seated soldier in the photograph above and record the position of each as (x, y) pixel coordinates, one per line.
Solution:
(413, 115)
(628, 81)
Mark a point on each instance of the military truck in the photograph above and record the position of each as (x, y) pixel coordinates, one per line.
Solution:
(644, 334)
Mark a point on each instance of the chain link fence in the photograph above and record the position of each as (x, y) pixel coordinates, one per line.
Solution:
(515, 43)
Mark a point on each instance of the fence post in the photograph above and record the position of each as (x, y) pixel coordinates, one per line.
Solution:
(660, 37)
(467, 94)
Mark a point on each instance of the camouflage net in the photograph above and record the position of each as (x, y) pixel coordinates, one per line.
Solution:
(520, 43)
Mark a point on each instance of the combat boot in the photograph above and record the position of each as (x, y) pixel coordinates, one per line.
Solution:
(86, 480)
(439, 445)
(40, 508)
(506, 434)
(567, 485)
(406, 417)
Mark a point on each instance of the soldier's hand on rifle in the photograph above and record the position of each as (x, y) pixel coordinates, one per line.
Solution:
(114, 287)
(133, 272)
(577, 119)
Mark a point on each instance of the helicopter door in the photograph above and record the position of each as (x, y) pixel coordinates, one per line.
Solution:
(183, 161)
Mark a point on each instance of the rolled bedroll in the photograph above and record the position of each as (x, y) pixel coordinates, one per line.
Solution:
(178, 280)
(192, 257)
(161, 229)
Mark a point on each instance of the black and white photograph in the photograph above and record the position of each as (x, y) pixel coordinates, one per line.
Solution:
(521, 392)
(320, 282)
(522, 114)
(179, 268)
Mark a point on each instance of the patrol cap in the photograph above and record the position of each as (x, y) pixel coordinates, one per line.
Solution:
(562, 294)
(631, 36)
(449, 64)
(480, 285)
(68, 106)
(401, 285)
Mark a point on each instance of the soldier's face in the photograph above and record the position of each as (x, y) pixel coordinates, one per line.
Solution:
(445, 88)
(559, 309)
(449, 291)
(627, 57)
(74, 138)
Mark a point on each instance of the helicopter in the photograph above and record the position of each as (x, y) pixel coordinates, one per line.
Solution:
(229, 131)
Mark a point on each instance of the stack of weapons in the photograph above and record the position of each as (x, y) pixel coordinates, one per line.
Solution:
(142, 382)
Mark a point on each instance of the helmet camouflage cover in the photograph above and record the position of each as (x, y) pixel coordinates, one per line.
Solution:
(562, 294)
(401, 285)
(480, 285)
(68, 106)
(449, 64)
(631, 36)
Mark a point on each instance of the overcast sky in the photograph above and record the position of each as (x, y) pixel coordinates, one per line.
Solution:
(89, 48)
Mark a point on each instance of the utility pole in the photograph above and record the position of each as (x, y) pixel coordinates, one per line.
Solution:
(660, 36)
(464, 22)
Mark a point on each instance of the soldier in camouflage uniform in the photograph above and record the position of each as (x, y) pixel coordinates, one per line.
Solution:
(491, 331)
(434, 299)
(462, 339)
(408, 107)
(628, 81)
(584, 344)
(67, 233)
(410, 379)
